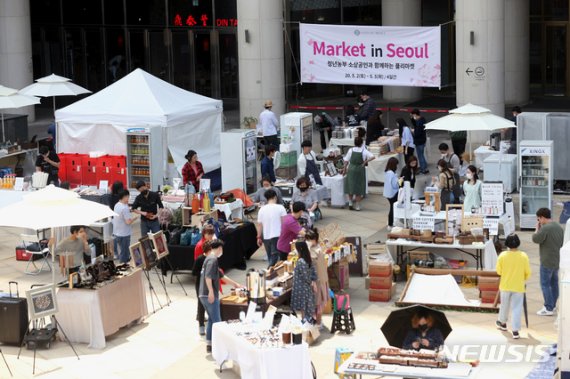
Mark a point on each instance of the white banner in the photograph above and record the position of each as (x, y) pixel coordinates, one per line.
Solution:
(373, 55)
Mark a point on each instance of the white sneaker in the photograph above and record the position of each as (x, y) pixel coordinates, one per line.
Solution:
(545, 312)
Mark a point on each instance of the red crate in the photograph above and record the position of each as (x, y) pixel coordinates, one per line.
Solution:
(119, 164)
(105, 170)
(89, 170)
(73, 169)
(62, 172)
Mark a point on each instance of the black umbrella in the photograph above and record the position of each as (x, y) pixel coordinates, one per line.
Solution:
(398, 323)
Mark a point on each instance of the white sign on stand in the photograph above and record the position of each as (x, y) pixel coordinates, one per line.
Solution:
(19, 184)
(424, 223)
(492, 202)
(491, 223)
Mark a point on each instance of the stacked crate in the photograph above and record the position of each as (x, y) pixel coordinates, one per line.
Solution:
(488, 288)
(381, 287)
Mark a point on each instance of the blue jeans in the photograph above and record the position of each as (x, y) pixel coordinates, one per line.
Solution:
(147, 226)
(123, 244)
(271, 250)
(549, 285)
(421, 157)
(214, 316)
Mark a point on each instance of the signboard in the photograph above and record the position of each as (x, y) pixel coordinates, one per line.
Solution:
(375, 55)
(492, 198)
(491, 223)
(424, 222)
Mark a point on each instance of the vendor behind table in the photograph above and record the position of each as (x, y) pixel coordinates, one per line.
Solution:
(76, 244)
(149, 202)
(48, 162)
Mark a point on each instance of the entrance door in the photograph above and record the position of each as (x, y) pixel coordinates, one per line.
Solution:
(555, 76)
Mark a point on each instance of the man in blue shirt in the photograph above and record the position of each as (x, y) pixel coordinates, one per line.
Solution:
(267, 170)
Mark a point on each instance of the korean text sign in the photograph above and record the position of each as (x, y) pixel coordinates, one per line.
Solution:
(373, 55)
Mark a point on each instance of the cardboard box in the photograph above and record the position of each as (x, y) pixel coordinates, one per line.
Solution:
(381, 282)
(418, 255)
(384, 295)
(377, 268)
(486, 283)
(488, 297)
(338, 275)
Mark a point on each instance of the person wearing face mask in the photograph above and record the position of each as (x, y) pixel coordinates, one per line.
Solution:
(472, 190)
(306, 195)
(149, 202)
(454, 166)
(48, 162)
(269, 226)
(320, 263)
(259, 196)
(423, 334)
(210, 288)
(445, 182)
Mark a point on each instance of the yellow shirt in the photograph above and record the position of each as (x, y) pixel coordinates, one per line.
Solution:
(514, 268)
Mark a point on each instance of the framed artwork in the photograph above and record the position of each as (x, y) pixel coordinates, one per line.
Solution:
(330, 168)
(136, 255)
(147, 253)
(42, 301)
(160, 244)
(453, 219)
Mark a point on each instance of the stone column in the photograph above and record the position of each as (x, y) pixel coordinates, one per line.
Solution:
(480, 65)
(516, 52)
(261, 60)
(401, 13)
(16, 48)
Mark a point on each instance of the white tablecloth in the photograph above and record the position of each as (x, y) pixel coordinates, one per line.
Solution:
(481, 153)
(233, 209)
(342, 142)
(336, 186)
(375, 169)
(452, 251)
(8, 197)
(87, 316)
(257, 363)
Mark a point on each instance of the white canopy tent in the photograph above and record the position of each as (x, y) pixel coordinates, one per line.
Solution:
(100, 121)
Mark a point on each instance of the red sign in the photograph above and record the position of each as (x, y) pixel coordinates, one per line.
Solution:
(191, 21)
(225, 22)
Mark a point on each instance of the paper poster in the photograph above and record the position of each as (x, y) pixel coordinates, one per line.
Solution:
(375, 55)
(204, 185)
(19, 184)
(423, 223)
(492, 202)
(491, 223)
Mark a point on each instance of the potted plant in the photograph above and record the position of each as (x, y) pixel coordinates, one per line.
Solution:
(249, 122)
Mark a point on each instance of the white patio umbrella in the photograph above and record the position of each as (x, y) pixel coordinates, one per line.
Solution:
(52, 207)
(470, 118)
(53, 85)
(10, 98)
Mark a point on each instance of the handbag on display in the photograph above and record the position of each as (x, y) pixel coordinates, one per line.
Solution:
(186, 237)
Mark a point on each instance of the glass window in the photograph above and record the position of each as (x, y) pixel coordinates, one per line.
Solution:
(362, 12)
(45, 12)
(535, 8)
(203, 63)
(82, 12)
(316, 11)
(556, 10)
(226, 13)
(190, 13)
(535, 52)
(229, 65)
(435, 12)
(146, 12)
(74, 57)
(137, 50)
(182, 60)
(159, 57)
(114, 12)
(94, 59)
(116, 63)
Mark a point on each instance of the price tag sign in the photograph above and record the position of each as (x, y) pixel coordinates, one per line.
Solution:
(423, 223)
(491, 223)
(492, 202)
(19, 184)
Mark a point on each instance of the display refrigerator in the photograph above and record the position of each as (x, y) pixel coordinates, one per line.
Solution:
(145, 157)
(296, 127)
(239, 160)
(536, 180)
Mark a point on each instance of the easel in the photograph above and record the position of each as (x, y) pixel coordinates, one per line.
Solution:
(54, 331)
(152, 291)
(163, 283)
(172, 269)
(6, 363)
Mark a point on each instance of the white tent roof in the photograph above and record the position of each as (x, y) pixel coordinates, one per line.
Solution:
(139, 99)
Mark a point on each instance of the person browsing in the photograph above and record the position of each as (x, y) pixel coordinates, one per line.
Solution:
(76, 245)
(290, 229)
(269, 125)
(147, 204)
(267, 168)
(122, 229)
(269, 226)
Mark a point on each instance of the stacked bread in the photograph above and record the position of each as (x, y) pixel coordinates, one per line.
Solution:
(395, 356)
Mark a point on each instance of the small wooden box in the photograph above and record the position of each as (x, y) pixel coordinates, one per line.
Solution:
(381, 282)
(486, 283)
(379, 269)
(418, 255)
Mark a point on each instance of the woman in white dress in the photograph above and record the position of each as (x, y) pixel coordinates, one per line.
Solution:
(472, 190)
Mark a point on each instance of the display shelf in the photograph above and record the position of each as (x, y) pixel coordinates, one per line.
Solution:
(544, 187)
(536, 176)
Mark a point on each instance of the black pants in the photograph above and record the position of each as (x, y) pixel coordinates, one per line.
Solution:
(283, 256)
(409, 154)
(459, 147)
(201, 312)
(271, 140)
(391, 214)
(322, 132)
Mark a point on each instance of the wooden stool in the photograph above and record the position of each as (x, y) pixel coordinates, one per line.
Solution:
(343, 319)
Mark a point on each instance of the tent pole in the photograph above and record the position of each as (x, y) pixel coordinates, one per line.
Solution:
(53, 100)
(3, 135)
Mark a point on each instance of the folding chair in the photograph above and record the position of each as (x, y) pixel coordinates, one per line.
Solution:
(34, 248)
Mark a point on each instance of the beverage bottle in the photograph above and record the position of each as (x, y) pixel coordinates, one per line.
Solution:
(195, 204)
(206, 203)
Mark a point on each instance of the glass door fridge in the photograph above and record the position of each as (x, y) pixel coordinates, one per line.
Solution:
(144, 157)
(536, 180)
(239, 160)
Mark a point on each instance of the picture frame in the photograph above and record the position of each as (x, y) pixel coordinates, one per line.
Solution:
(42, 302)
(160, 244)
(148, 254)
(136, 255)
(330, 168)
(453, 219)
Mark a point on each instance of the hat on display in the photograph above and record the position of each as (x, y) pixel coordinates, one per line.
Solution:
(268, 104)
(140, 184)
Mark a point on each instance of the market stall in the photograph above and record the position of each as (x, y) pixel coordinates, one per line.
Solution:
(147, 120)
(259, 352)
(90, 315)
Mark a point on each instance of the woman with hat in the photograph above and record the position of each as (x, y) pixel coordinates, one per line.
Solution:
(192, 171)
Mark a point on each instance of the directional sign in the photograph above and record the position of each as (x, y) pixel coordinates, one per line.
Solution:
(468, 71)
